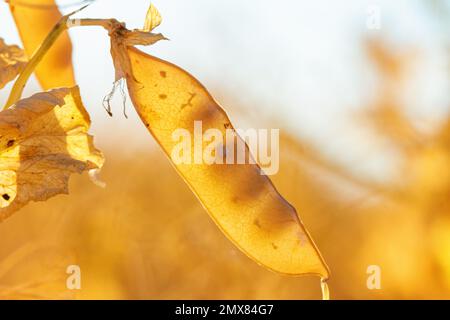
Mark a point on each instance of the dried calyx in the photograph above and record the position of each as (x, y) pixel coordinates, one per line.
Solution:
(121, 38)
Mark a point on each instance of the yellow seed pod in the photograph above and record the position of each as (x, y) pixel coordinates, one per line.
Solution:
(242, 202)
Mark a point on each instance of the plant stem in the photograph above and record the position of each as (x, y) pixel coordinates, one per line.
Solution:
(63, 24)
(21, 81)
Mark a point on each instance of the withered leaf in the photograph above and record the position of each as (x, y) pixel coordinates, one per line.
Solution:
(152, 19)
(12, 60)
(43, 139)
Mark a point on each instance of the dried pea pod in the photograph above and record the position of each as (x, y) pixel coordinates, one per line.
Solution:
(242, 202)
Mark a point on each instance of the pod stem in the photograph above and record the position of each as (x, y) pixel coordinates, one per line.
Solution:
(325, 289)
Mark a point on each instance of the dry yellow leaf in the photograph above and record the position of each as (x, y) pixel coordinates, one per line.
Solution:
(243, 202)
(152, 19)
(34, 20)
(43, 139)
(12, 60)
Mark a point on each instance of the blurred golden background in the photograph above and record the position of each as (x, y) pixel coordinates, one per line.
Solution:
(145, 236)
